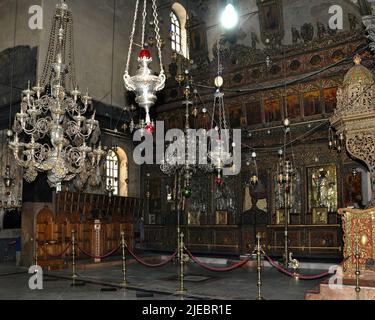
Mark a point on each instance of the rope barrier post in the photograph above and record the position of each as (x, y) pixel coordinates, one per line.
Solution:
(74, 274)
(259, 252)
(357, 269)
(181, 290)
(123, 246)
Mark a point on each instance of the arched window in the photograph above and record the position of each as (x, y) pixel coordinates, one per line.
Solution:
(112, 172)
(176, 33)
(178, 29)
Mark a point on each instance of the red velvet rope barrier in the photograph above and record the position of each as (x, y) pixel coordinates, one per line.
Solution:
(144, 263)
(218, 269)
(98, 257)
(293, 275)
(57, 255)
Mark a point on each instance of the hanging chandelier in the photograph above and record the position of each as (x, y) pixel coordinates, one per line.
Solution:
(56, 131)
(145, 84)
(220, 155)
(176, 163)
(9, 190)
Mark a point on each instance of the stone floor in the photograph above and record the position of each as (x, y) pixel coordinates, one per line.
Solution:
(153, 284)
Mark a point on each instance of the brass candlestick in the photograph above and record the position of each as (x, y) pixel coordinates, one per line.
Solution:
(74, 274)
(123, 245)
(259, 253)
(181, 290)
(363, 242)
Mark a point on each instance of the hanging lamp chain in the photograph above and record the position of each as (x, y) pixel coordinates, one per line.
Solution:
(144, 17)
(157, 32)
(132, 37)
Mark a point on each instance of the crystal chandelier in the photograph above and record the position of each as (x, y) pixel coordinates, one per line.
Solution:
(56, 131)
(145, 84)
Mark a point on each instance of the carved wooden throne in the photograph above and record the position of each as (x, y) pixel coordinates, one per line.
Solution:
(354, 121)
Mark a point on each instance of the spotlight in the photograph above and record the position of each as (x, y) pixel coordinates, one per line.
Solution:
(229, 18)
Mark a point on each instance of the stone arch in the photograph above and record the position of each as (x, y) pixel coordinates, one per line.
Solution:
(123, 172)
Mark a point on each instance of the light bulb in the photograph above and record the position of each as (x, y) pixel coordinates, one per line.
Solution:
(229, 18)
(219, 81)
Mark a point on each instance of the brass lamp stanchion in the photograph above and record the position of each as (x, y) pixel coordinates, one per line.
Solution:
(35, 251)
(123, 245)
(359, 242)
(287, 186)
(357, 269)
(284, 179)
(259, 253)
(74, 274)
(181, 290)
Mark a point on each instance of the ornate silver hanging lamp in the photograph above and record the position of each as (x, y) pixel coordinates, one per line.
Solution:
(145, 84)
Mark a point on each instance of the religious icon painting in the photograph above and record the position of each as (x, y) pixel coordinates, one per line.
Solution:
(323, 187)
(272, 110)
(194, 218)
(311, 103)
(221, 217)
(330, 99)
(271, 20)
(254, 112)
(320, 216)
(280, 216)
(292, 104)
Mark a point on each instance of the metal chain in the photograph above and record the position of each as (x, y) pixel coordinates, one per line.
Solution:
(71, 53)
(213, 114)
(144, 16)
(46, 73)
(63, 50)
(225, 124)
(132, 38)
(220, 114)
(218, 58)
(157, 32)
